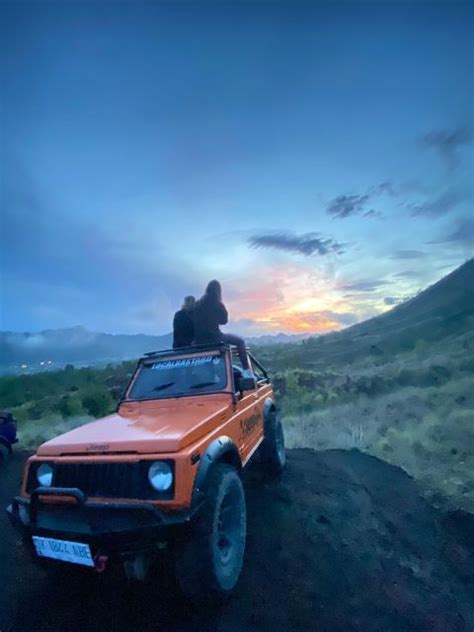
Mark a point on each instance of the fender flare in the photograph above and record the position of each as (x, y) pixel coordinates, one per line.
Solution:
(221, 449)
(268, 406)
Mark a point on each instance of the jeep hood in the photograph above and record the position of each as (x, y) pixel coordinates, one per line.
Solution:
(147, 427)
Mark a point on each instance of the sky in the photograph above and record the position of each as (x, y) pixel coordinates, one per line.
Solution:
(316, 158)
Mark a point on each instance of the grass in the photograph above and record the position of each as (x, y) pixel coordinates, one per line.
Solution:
(415, 411)
(34, 432)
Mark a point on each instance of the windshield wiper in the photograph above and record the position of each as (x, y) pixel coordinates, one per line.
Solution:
(203, 384)
(161, 387)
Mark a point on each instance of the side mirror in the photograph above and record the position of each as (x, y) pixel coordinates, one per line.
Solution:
(245, 384)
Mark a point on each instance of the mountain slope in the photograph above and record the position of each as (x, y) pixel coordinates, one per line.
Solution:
(440, 313)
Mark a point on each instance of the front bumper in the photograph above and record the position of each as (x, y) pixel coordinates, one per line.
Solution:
(118, 530)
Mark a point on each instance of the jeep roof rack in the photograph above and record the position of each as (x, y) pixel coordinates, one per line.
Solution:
(193, 349)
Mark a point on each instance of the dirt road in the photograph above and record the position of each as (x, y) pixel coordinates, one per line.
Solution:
(342, 543)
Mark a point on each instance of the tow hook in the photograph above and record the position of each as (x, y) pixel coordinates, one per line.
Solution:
(100, 563)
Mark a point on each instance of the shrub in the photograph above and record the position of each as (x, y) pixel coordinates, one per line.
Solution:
(70, 406)
(98, 404)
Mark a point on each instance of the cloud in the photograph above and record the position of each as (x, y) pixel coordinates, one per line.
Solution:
(346, 205)
(407, 254)
(407, 274)
(311, 322)
(387, 188)
(364, 286)
(391, 300)
(441, 205)
(87, 268)
(447, 143)
(344, 318)
(461, 235)
(307, 244)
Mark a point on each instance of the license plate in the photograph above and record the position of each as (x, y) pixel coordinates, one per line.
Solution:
(73, 552)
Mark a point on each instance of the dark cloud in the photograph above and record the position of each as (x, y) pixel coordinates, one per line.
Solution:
(387, 187)
(447, 143)
(346, 205)
(390, 300)
(441, 205)
(407, 254)
(461, 235)
(373, 213)
(370, 285)
(307, 244)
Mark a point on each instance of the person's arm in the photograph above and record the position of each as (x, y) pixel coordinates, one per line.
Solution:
(223, 316)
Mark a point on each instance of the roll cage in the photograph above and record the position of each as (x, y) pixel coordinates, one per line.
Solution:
(226, 350)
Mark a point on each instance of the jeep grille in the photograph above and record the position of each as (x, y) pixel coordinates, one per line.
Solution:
(105, 480)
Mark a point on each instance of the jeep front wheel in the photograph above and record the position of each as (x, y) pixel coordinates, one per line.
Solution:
(208, 562)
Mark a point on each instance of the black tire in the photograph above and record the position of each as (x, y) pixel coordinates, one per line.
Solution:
(209, 561)
(5, 449)
(272, 450)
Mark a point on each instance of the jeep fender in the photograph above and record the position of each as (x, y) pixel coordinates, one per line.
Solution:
(268, 407)
(221, 450)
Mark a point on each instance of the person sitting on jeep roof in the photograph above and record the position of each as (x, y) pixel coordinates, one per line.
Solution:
(183, 324)
(209, 313)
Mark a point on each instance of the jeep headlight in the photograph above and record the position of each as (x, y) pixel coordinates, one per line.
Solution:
(44, 475)
(160, 476)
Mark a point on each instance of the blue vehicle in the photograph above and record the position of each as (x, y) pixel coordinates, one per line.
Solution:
(7, 432)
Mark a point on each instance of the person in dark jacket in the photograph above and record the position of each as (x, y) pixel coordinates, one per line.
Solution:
(209, 314)
(183, 324)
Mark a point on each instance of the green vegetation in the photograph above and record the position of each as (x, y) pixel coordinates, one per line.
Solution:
(46, 404)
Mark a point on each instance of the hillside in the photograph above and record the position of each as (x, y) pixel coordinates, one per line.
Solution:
(399, 386)
(436, 316)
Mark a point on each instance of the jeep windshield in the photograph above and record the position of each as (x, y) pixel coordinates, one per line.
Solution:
(179, 376)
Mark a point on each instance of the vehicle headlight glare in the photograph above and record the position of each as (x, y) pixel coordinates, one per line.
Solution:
(44, 475)
(160, 476)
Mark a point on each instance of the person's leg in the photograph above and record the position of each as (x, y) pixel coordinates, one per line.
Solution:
(241, 348)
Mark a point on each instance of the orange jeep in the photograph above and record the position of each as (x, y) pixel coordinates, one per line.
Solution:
(163, 472)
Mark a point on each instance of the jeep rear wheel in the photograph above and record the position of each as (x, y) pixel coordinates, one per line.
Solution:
(209, 561)
(272, 450)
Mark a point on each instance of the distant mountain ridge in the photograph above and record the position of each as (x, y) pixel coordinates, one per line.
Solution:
(276, 339)
(441, 310)
(77, 345)
(74, 345)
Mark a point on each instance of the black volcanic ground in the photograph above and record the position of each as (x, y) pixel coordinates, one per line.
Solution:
(342, 543)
